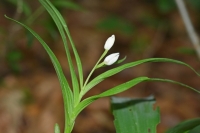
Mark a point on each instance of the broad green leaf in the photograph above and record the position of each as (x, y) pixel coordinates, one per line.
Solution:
(57, 129)
(135, 115)
(185, 126)
(116, 70)
(56, 17)
(66, 91)
(123, 87)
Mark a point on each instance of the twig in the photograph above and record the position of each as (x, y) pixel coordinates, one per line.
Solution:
(189, 27)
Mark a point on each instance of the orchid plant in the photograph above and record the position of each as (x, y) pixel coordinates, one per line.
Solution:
(73, 95)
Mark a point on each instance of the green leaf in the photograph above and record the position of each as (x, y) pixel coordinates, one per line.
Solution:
(66, 91)
(58, 19)
(121, 60)
(185, 126)
(174, 82)
(78, 61)
(110, 92)
(135, 115)
(77, 57)
(116, 70)
(57, 129)
(123, 87)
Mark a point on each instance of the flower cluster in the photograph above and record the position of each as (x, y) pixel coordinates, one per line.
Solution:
(112, 58)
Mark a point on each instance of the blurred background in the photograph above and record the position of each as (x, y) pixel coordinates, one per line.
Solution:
(30, 95)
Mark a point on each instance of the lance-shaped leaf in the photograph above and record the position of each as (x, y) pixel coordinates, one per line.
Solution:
(66, 91)
(78, 61)
(110, 92)
(135, 115)
(116, 70)
(123, 87)
(56, 17)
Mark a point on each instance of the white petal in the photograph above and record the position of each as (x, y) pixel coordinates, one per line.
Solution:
(109, 42)
(112, 58)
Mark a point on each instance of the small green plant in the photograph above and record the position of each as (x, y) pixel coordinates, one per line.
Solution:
(73, 95)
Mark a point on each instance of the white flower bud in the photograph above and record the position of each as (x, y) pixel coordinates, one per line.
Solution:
(110, 59)
(109, 42)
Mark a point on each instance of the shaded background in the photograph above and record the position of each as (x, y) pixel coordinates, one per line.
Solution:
(30, 95)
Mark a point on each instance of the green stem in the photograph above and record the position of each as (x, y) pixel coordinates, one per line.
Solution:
(105, 52)
(69, 128)
(96, 66)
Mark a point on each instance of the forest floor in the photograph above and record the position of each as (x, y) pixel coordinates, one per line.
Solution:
(31, 99)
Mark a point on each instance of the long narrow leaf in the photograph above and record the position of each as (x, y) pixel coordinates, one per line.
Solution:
(123, 87)
(67, 93)
(50, 8)
(78, 61)
(174, 82)
(68, 109)
(110, 92)
(116, 70)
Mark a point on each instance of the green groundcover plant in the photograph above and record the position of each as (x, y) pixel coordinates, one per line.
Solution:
(73, 95)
